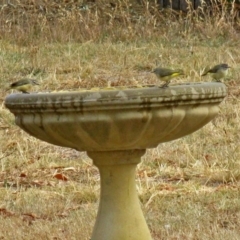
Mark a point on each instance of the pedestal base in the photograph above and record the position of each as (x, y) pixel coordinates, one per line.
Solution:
(119, 215)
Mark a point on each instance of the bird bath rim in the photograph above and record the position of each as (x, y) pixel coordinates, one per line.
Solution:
(181, 94)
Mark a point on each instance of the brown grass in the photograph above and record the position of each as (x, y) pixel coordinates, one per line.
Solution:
(189, 188)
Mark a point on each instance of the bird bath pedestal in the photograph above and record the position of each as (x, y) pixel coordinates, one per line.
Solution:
(115, 127)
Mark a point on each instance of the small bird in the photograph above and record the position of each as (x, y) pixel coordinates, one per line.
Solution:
(166, 74)
(218, 72)
(24, 85)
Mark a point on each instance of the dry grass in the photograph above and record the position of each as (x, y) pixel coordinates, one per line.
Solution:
(189, 188)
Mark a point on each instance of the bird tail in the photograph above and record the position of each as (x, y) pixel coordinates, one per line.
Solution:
(178, 72)
(206, 71)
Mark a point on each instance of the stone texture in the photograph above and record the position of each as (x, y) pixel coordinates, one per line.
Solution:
(117, 119)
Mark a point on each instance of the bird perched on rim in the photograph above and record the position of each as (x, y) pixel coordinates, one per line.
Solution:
(23, 85)
(166, 74)
(218, 72)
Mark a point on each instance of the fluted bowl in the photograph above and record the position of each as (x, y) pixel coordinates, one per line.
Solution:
(117, 118)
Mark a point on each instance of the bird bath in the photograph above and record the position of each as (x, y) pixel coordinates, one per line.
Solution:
(116, 126)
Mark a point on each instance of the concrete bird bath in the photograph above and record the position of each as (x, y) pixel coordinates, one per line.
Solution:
(115, 127)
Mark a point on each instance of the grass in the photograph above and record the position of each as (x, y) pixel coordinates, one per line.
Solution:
(189, 188)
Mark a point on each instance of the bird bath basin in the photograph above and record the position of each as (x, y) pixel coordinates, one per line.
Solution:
(116, 126)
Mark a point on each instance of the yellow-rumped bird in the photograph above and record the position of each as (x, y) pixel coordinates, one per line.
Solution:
(24, 85)
(218, 72)
(165, 74)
